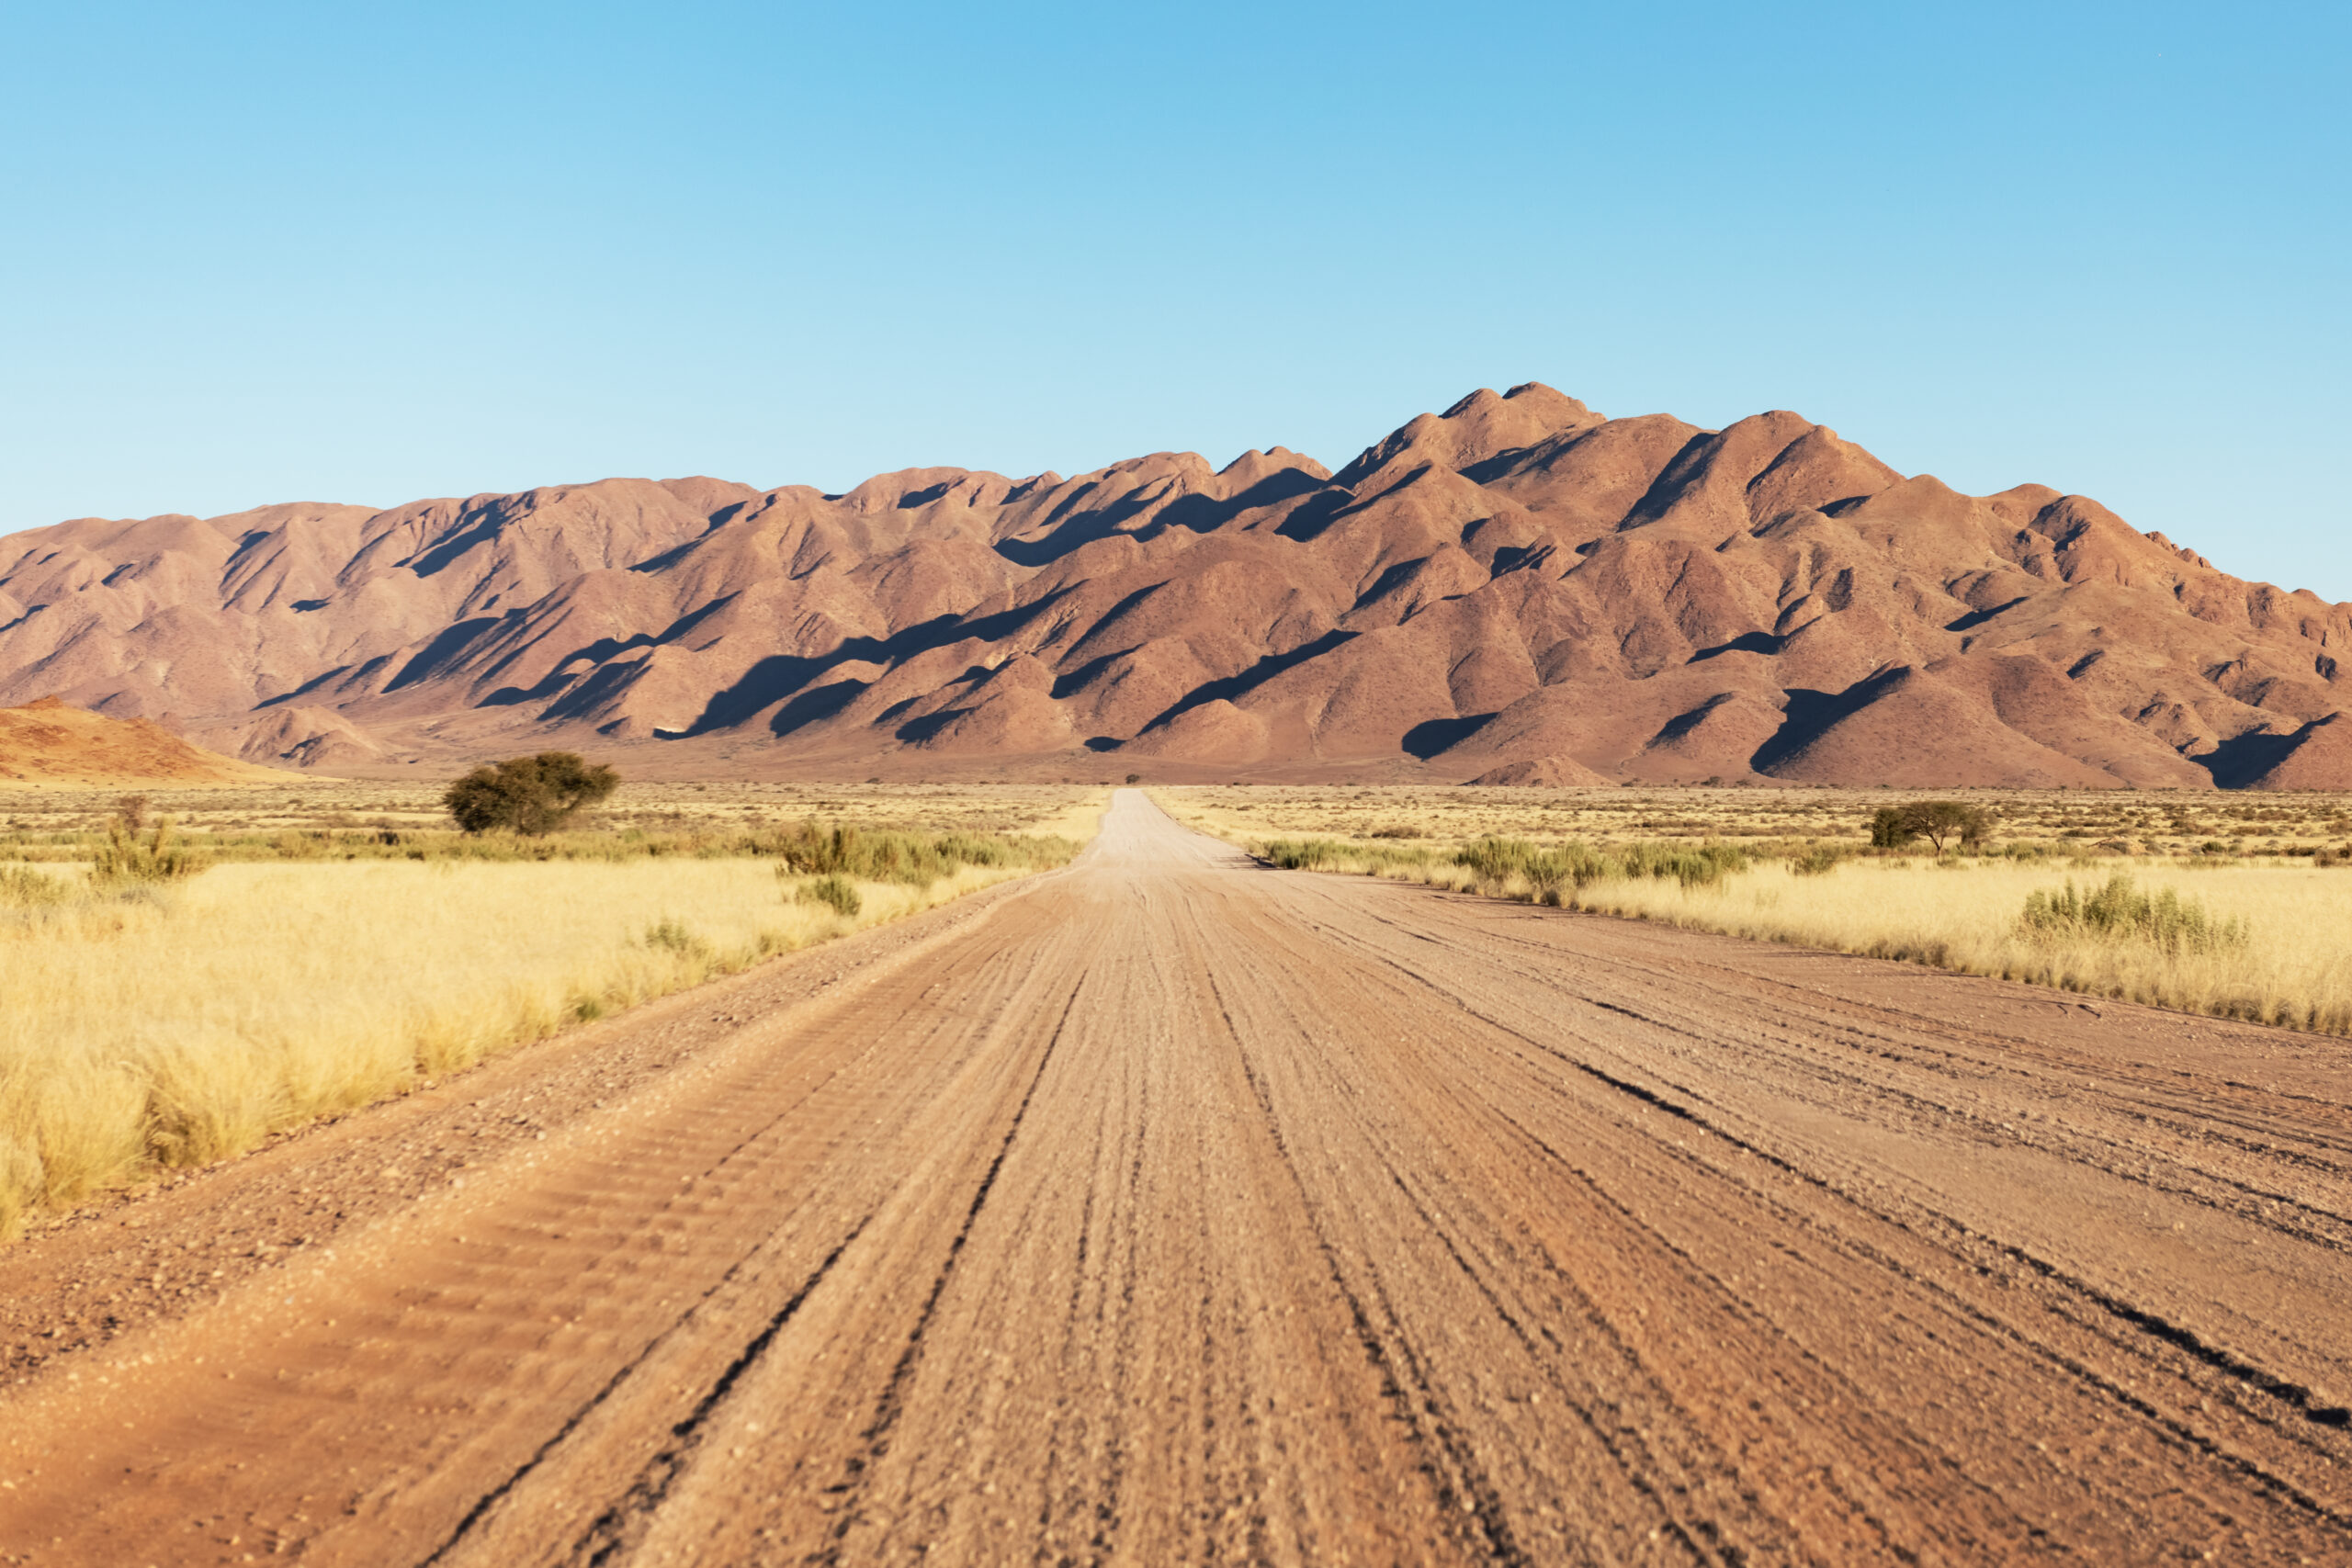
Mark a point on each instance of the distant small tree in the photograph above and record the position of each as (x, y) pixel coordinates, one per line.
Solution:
(528, 795)
(1938, 821)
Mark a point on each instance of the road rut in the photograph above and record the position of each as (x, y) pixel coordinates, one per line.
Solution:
(1170, 1208)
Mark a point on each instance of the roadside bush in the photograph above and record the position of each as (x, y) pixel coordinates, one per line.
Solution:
(1554, 873)
(676, 936)
(1302, 854)
(2120, 912)
(1345, 857)
(1693, 865)
(914, 860)
(1551, 874)
(531, 796)
(836, 892)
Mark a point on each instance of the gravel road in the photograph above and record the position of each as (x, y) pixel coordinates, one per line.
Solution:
(1168, 1209)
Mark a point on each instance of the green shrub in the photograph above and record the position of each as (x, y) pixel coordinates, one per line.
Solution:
(674, 936)
(1551, 872)
(1816, 860)
(2120, 912)
(1302, 854)
(531, 796)
(1938, 821)
(916, 860)
(21, 888)
(1555, 872)
(125, 859)
(836, 892)
(1693, 865)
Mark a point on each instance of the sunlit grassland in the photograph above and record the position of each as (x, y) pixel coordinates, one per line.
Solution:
(320, 818)
(152, 1027)
(2238, 824)
(2294, 966)
(2269, 890)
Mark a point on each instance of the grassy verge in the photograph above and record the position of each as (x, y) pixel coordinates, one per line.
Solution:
(2265, 942)
(314, 819)
(2066, 822)
(178, 1022)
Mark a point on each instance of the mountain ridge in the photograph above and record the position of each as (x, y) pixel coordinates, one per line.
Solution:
(1517, 586)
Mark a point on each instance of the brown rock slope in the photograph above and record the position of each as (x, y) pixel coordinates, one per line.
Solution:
(48, 743)
(1516, 588)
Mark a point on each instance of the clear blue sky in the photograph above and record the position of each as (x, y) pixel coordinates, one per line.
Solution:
(257, 252)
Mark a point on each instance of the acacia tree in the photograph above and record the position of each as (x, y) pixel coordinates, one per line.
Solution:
(528, 795)
(1934, 820)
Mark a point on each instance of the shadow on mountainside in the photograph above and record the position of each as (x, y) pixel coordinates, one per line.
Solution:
(1745, 642)
(1068, 530)
(1233, 687)
(1811, 713)
(1425, 739)
(2243, 758)
(781, 675)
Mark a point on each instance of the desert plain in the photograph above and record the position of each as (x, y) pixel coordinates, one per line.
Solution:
(1152, 1202)
(1572, 990)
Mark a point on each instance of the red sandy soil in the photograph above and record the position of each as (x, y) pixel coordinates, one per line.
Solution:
(1171, 1209)
(1516, 586)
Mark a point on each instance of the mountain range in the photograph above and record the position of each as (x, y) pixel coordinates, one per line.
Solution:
(1518, 590)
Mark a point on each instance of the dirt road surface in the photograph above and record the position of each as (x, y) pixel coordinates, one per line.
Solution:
(1168, 1209)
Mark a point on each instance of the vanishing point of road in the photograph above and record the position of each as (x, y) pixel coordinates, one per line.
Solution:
(1168, 1209)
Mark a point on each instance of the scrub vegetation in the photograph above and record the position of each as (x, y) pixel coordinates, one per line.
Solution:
(2234, 906)
(171, 998)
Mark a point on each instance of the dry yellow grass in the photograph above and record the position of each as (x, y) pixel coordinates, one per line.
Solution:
(2295, 967)
(182, 1025)
(317, 815)
(2133, 821)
